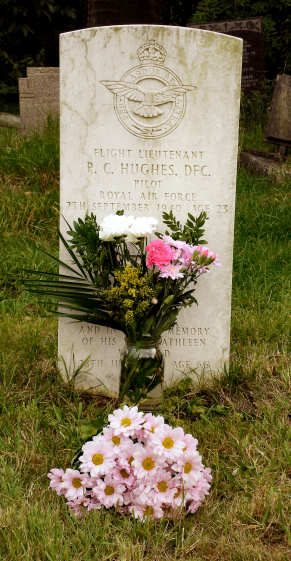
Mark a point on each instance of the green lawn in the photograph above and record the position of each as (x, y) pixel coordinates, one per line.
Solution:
(241, 421)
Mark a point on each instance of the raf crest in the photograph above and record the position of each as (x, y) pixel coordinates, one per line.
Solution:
(149, 99)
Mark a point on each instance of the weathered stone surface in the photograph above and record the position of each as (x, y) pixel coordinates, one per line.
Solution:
(251, 31)
(278, 129)
(172, 145)
(38, 97)
(9, 120)
(263, 164)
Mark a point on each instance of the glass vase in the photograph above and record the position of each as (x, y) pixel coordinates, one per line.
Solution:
(142, 369)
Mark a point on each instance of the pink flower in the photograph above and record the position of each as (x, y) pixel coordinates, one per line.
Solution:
(57, 482)
(164, 487)
(159, 254)
(196, 494)
(146, 511)
(168, 442)
(203, 256)
(190, 443)
(108, 492)
(171, 271)
(152, 423)
(98, 456)
(174, 243)
(74, 483)
(138, 465)
(189, 467)
(126, 421)
(117, 441)
(124, 475)
(146, 462)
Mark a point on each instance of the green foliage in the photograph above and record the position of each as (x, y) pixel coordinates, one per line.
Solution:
(29, 35)
(192, 232)
(276, 25)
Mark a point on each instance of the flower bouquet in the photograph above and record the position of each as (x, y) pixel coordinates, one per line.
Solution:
(138, 465)
(121, 281)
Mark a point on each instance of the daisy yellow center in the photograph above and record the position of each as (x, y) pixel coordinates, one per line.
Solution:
(149, 511)
(76, 482)
(109, 490)
(153, 429)
(185, 448)
(126, 422)
(168, 442)
(130, 460)
(148, 464)
(187, 467)
(178, 492)
(115, 440)
(97, 459)
(124, 473)
(162, 486)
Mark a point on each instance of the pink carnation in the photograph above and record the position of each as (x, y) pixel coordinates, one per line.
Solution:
(159, 254)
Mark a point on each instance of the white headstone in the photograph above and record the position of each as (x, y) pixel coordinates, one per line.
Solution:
(149, 123)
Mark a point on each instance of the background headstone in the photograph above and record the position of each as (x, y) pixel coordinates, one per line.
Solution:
(279, 122)
(38, 97)
(149, 123)
(115, 12)
(251, 31)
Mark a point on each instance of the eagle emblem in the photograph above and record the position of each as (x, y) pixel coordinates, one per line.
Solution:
(150, 99)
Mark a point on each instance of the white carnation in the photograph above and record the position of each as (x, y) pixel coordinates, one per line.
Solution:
(142, 226)
(115, 225)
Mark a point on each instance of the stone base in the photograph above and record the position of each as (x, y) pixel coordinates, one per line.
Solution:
(266, 164)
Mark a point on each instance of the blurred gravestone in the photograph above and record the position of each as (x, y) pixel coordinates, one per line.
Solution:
(115, 12)
(278, 132)
(38, 97)
(149, 123)
(279, 123)
(251, 31)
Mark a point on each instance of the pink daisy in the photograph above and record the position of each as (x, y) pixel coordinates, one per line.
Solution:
(75, 483)
(146, 462)
(124, 475)
(190, 443)
(109, 492)
(164, 487)
(196, 495)
(118, 441)
(168, 442)
(146, 511)
(56, 480)
(189, 467)
(98, 457)
(126, 421)
(153, 423)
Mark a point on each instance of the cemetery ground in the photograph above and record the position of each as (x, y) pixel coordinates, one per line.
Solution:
(241, 421)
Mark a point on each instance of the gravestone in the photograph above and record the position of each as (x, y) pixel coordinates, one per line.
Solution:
(279, 123)
(149, 123)
(38, 97)
(251, 31)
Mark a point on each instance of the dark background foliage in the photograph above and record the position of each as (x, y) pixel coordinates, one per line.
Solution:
(29, 29)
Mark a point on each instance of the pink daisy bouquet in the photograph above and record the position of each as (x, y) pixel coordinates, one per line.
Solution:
(117, 278)
(139, 466)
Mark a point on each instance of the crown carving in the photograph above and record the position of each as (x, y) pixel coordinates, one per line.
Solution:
(151, 51)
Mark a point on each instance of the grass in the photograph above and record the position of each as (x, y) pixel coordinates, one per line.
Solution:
(242, 421)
